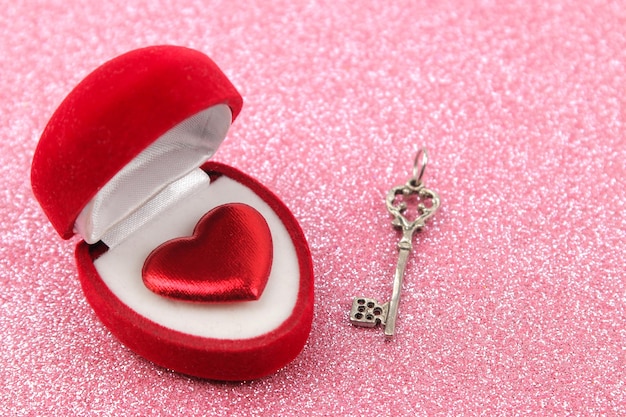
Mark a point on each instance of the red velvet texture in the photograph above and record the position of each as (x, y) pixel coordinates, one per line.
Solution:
(115, 113)
(219, 359)
(228, 258)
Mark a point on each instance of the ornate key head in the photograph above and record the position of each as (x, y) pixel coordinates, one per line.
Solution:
(427, 201)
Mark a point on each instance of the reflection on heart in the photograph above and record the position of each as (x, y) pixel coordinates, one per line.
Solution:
(228, 258)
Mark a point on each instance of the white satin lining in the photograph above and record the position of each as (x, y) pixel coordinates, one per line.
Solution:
(160, 176)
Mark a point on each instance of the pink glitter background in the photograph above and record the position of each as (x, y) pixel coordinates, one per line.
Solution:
(514, 300)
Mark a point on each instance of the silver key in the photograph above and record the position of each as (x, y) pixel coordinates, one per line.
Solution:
(367, 312)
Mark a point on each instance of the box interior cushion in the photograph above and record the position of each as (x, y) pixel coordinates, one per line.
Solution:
(120, 268)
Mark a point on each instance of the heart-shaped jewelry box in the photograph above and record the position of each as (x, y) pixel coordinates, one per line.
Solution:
(193, 265)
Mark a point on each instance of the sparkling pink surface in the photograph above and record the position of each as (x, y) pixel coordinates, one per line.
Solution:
(514, 301)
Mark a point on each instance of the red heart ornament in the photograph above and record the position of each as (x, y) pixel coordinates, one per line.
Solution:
(228, 258)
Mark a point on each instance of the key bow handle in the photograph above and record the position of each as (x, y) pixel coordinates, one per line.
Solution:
(424, 212)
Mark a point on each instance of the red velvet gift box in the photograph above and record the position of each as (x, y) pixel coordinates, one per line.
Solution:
(193, 265)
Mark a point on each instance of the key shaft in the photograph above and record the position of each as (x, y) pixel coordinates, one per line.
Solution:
(404, 250)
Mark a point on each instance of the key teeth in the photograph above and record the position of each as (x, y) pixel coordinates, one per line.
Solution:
(367, 312)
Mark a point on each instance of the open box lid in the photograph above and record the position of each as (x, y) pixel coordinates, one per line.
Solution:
(151, 95)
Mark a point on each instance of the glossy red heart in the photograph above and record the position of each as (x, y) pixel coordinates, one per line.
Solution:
(228, 258)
